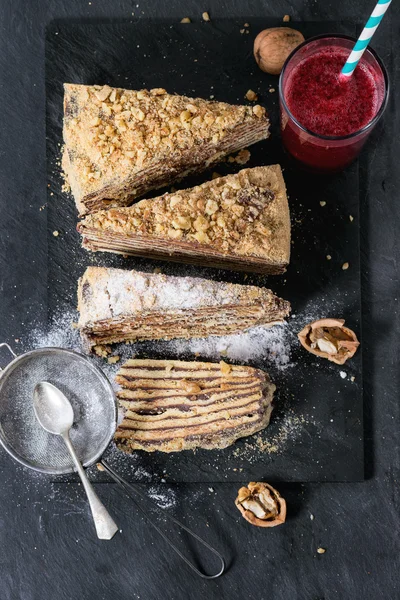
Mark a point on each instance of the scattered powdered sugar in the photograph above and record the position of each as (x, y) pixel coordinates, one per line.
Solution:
(163, 498)
(287, 429)
(61, 332)
(273, 344)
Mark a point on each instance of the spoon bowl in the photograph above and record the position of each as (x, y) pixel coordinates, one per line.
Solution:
(52, 408)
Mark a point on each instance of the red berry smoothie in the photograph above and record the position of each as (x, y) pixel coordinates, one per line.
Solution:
(326, 105)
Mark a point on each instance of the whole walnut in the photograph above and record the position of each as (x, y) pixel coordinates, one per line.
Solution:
(273, 46)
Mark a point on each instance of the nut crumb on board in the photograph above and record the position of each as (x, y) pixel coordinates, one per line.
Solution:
(251, 96)
(271, 90)
(321, 550)
(186, 20)
(241, 158)
(56, 233)
(322, 203)
(345, 266)
(206, 16)
(328, 257)
(351, 218)
(286, 18)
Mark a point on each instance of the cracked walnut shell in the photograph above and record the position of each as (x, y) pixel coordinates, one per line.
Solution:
(261, 505)
(329, 339)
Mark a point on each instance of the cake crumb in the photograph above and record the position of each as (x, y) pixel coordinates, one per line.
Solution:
(351, 218)
(343, 374)
(322, 203)
(186, 20)
(271, 90)
(345, 266)
(242, 31)
(352, 378)
(328, 257)
(206, 16)
(243, 156)
(321, 550)
(113, 359)
(100, 467)
(246, 25)
(286, 18)
(56, 233)
(102, 351)
(251, 96)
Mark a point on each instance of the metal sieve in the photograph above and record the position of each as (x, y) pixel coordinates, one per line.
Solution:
(89, 391)
(95, 419)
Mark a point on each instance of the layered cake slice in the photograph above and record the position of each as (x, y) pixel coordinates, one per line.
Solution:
(116, 305)
(119, 144)
(239, 222)
(172, 405)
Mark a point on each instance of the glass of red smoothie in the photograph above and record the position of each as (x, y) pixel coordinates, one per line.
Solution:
(325, 120)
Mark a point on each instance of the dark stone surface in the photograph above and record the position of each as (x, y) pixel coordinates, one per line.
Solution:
(319, 450)
(47, 551)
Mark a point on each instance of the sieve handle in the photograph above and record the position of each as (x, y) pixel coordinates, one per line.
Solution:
(105, 525)
(132, 492)
(11, 351)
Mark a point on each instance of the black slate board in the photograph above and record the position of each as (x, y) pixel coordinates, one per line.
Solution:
(216, 59)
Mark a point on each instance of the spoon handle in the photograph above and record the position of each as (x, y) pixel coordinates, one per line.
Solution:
(105, 526)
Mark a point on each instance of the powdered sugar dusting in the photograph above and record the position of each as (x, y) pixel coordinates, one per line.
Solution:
(272, 344)
(163, 498)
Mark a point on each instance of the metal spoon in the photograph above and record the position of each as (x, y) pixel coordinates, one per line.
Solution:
(54, 412)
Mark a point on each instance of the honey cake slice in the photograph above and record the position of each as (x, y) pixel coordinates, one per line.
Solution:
(119, 144)
(117, 305)
(172, 405)
(239, 222)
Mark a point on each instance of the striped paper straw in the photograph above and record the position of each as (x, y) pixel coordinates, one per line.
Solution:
(365, 37)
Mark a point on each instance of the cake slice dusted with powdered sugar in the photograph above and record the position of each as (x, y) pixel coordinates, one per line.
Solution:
(236, 222)
(119, 144)
(172, 405)
(116, 305)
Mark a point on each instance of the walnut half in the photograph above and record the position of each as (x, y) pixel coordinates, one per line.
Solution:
(329, 339)
(261, 505)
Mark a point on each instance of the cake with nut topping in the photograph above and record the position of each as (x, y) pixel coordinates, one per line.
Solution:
(238, 222)
(117, 305)
(119, 144)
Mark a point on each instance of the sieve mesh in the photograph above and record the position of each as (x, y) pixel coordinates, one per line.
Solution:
(89, 392)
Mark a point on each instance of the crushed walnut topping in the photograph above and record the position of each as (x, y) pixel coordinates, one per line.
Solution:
(113, 133)
(242, 214)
